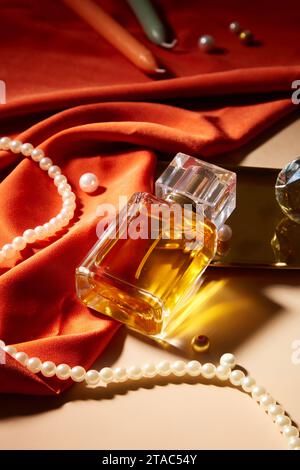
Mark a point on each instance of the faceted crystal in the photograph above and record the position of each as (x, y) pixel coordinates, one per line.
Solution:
(287, 190)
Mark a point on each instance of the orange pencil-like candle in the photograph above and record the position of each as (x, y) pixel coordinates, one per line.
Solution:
(114, 33)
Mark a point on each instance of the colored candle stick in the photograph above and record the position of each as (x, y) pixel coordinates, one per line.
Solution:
(150, 22)
(115, 34)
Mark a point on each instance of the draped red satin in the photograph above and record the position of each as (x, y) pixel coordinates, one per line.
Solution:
(74, 95)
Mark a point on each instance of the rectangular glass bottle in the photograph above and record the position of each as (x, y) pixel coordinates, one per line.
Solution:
(148, 262)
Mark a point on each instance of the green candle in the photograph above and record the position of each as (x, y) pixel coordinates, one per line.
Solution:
(150, 22)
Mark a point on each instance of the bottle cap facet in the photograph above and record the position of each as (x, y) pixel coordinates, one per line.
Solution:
(210, 188)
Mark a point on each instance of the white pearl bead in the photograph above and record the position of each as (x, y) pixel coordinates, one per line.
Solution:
(8, 251)
(282, 420)
(15, 146)
(290, 431)
(19, 243)
(149, 370)
(235, 27)
(208, 370)
(163, 368)
(206, 43)
(178, 368)
(193, 368)
(48, 369)
(67, 212)
(228, 359)
(63, 371)
(106, 375)
(224, 233)
(134, 372)
(275, 410)
(248, 383)
(59, 179)
(89, 182)
(68, 196)
(2, 344)
(266, 400)
(21, 357)
(29, 236)
(257, 392)
(5, 143)
(37, 155)
(26, 149)
(61, 221)
(45, 163)
(40, 232)
(11, 350)
(120, 374)
(236, 377)
(294, 443)
(53, 171)
(49, 229)
(62, 187)
(223, 372)
(78, 374)
(34, 364)
(92, 377)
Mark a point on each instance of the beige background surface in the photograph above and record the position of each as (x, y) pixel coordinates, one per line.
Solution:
(176, 415)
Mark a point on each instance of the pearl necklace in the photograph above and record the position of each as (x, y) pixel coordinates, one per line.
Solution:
(224, 371)
(55, 224)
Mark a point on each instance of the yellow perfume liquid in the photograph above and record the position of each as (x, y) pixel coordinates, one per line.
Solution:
(141, 281)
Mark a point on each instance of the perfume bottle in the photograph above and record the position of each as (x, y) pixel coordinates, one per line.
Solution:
(149, 260)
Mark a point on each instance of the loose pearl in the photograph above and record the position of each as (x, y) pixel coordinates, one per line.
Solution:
(294, 443)
(21, 357)
(53, 171)
(11, 350)
(15, 146)
(206, 43)
(26, 149)
(248, 383)
(149, 370)
(45, 163)
(229, 360)
(30, 236)
(34, 364)
(106, 375)
(59, 179)
(266, 400)
(92, 377)
(224, 233)
(37, 155)
(275, 410)
(236, 377)
(163, 368)
(78, 374)
(208, 370)
(134, 372)
(193, 368)
(290, 431)
(282, 420)
(40, 232)
(235, 27)
(48, 369)
(223, 372)
(257, 392)
(8, 251)
(120, 374)
(178, 368)
(5, 143)
(19, 243)
(63, 371)
(89, 182)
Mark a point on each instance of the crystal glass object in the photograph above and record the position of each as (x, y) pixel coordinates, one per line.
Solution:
(149, 261)
(287, 190)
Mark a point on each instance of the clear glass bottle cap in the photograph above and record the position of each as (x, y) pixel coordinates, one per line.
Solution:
(210, 188)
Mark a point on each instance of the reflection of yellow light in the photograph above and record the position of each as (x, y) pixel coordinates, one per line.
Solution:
(190, 318)
(280, 263)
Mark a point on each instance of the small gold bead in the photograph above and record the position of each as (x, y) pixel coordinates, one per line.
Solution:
(246, 37)
(200, 343)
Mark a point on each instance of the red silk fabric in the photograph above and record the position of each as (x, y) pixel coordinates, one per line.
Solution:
(90, 109)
